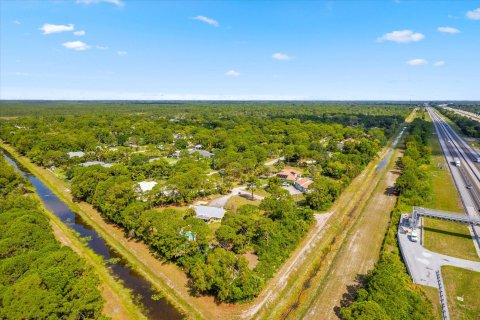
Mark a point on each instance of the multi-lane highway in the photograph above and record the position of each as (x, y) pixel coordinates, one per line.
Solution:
(467, 174)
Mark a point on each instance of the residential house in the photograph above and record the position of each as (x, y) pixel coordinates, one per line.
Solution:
(208, 213)
(203, 153)
(302, 184)
(92, 163)
(146, 186)
(76, 154)
(289, 175)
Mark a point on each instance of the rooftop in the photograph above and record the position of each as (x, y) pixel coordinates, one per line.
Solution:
(78, 154)
(206, 212)
(147, 185)
(93, 163)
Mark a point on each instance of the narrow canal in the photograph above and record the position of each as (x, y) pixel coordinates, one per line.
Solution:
(140, 287)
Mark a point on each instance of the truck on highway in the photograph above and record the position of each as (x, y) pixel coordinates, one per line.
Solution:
(457, 162)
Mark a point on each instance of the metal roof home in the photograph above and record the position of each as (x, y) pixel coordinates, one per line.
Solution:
(147, 185)
(204, 153)
(208, 213)
(92, 163)
(78, 154)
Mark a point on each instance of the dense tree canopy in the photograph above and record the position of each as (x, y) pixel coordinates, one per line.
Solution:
(192, 150)
(39, 279)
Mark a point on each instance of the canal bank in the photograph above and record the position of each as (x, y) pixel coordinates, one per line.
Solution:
(141, 287)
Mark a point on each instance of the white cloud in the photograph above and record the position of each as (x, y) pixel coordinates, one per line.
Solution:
(79, 33)
(122, 53)
(76, 45)
(119, 3)
(48, 28)
(417, 62)
(17, 22)
(474, 14)
(101, 47)
(232, 73)
(402, 36)
(448, 30)
(281, 56)
(439, 64)
(207, 20)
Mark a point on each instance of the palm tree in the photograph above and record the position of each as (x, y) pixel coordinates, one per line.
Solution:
(252, 184)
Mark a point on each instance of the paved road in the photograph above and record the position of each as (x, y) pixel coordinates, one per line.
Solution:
(222, 201)
(272, 162)
(422, 263)
(454, 147)
(292, 190)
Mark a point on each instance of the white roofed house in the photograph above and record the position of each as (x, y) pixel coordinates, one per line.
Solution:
(143, 189)
(76, 154)
(208, 214)
(203, 153)
(93, 163)
(146, 186)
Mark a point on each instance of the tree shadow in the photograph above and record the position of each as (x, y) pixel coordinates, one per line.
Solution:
(391, 191)
(349, 297)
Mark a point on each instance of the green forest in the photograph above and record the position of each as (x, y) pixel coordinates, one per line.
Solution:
(196, 150)
(388, 292)
(39, 278)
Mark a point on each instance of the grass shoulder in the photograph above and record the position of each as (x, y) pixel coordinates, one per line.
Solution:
(462, 292)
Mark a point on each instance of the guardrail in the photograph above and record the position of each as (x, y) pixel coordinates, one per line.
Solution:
(443, 296)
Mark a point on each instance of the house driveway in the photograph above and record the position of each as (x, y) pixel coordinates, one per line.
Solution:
(222, 201)
(292, 190)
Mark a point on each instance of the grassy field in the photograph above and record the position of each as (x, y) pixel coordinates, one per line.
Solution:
(449, 238)
(463, 284)
(237, 201)
(441, 236)
(433, 295)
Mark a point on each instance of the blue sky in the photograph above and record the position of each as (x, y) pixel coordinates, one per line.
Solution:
(319, 50)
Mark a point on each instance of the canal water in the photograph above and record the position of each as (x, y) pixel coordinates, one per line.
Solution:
(139, 286)
(386, 158)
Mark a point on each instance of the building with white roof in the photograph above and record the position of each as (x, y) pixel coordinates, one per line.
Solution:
(147, 185)
(78, 154)
(208, 213)
(92, 163)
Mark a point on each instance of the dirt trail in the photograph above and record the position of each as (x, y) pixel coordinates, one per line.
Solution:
(360, 252)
